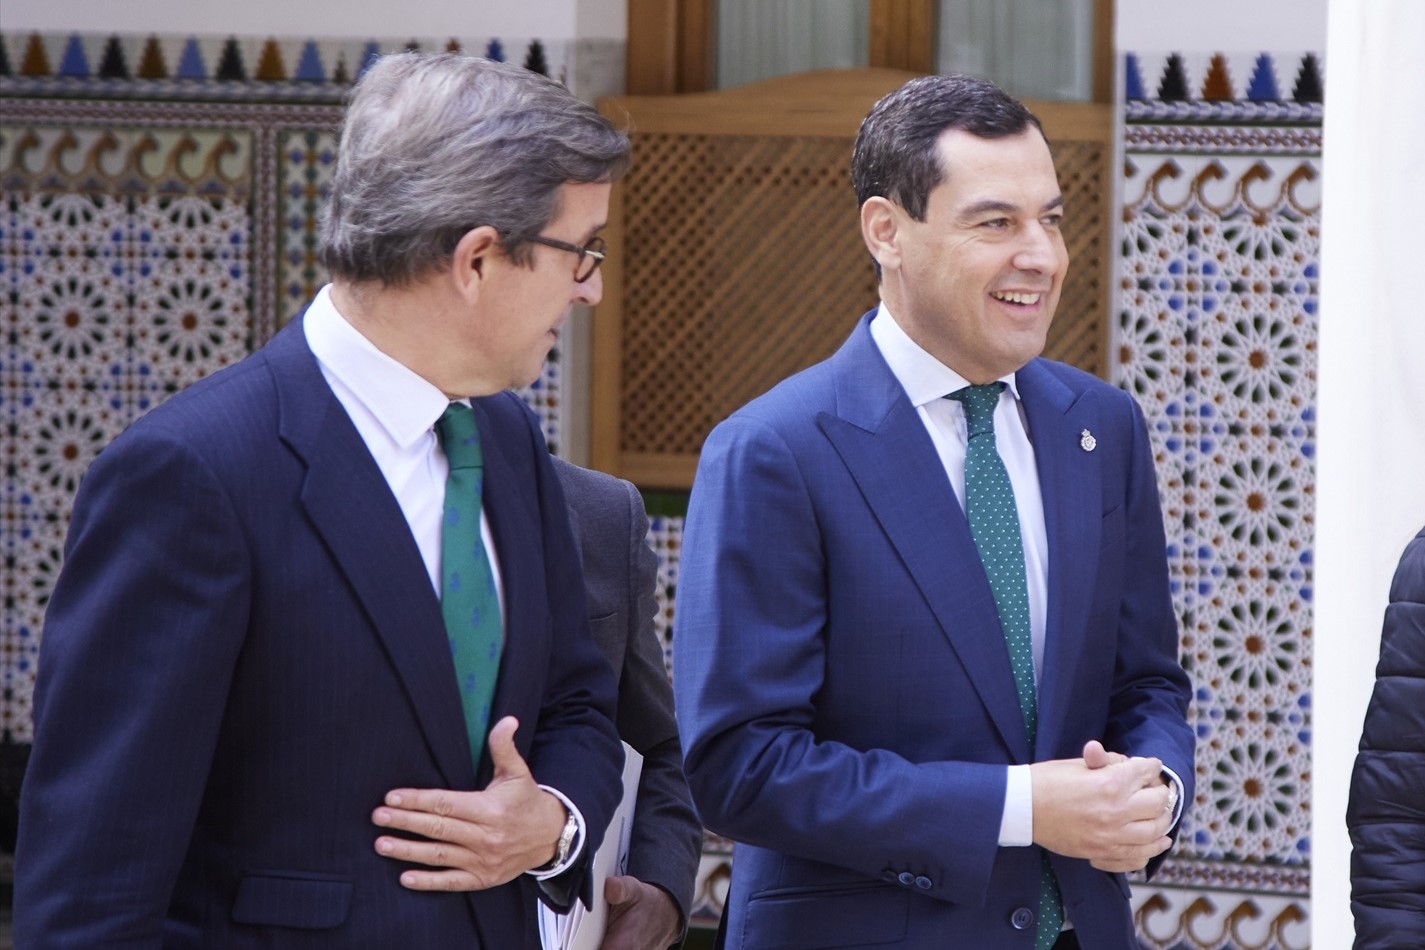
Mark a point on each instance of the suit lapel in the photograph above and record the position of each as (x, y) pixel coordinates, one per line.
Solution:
(875, 422)
(352, 509)
(1069, 483)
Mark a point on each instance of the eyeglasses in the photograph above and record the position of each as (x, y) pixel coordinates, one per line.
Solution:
(591, 255)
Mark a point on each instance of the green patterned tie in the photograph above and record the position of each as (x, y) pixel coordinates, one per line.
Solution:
(994, 524)
(467, 585)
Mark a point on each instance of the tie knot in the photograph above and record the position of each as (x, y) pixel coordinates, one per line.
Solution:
(459, 436)
(979, 403)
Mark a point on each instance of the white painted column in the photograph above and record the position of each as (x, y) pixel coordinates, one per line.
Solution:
(1371, 468)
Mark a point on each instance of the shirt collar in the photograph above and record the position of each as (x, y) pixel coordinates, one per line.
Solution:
(923, 377)
(404, 403)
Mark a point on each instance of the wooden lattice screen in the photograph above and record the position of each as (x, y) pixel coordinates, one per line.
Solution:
(737, 256)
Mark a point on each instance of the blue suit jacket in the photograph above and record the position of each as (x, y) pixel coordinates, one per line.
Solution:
(843, 686)
(244, 653)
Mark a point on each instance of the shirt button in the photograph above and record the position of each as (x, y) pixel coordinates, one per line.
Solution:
(1022, 919)
(907, 878)
(923, 882)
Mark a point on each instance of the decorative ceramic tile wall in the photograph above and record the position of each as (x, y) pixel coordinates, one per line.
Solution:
(665, 536)
(1216, 336)
(126, 261)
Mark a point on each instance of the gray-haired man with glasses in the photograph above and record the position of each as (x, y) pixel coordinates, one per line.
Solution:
(254, 650)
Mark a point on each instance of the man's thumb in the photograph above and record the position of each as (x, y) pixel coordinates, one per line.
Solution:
(616, 891)
(1096, 757)
(506, 758)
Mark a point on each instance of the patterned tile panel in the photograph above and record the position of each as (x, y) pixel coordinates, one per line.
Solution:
(1216, 336)
(233, 68)
(113, 304)
(1178, 919)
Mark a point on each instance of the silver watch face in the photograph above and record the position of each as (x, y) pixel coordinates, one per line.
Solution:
(566, 838)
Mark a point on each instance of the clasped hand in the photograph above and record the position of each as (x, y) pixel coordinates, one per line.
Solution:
(1108, 808)
(479, 839)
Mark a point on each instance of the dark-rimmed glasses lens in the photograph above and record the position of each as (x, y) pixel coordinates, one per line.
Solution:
(591, 255)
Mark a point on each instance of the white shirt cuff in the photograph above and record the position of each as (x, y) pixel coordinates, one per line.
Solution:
(1016, 827)
(1178, 798)
(544, 874)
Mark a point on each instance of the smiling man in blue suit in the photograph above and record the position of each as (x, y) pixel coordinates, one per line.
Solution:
(925, 657)
(339, 574)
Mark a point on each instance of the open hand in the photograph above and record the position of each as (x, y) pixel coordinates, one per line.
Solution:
(478, 839)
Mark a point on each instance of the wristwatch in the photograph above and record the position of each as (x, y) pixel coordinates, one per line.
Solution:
(566, 840)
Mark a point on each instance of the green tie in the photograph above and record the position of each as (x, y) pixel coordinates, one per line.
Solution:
(467, 585)
(994, 524)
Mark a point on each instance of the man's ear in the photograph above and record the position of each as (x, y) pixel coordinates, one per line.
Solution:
(472, 258)
(880, 229)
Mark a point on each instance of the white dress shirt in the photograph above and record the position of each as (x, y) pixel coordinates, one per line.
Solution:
(395, 411)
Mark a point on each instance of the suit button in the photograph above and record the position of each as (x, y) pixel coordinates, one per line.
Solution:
(888, 875)
(907, 878)
(1022, 919)
(923, 883)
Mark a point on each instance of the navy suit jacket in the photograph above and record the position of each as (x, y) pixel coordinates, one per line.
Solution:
(244, 653)
(843, 687)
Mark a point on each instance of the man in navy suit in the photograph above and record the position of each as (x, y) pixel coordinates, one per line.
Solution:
(917, 739)
(245, 661)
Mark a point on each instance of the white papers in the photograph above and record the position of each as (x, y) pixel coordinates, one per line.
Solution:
(581, 928)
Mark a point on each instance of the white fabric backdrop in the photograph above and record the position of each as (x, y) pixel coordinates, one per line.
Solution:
(1371, 469)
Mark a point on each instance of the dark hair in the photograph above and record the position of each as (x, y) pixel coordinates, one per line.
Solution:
(437, 144)
(896, 155)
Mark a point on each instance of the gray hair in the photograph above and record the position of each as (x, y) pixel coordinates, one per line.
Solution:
(437, 144)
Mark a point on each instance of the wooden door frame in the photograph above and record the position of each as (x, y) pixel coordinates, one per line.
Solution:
(671, 47)
(903, 35)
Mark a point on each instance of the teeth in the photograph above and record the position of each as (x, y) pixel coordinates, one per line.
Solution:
(1011, 297)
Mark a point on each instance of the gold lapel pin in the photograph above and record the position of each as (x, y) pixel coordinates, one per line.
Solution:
(1086, 441)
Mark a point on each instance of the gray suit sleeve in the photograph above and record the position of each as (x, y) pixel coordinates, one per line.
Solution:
(667, 838)
(620, 573)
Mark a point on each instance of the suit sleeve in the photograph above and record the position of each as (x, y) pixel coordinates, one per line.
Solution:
(1147, 712)
(666, 842)
(141, 638)
(1385, 815)
(750, 661)
(575, 745)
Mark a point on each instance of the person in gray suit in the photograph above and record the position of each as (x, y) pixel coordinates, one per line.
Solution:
(649, 905)
(611, 528)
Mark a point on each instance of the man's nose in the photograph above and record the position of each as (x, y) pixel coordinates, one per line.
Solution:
(590, 291)
(1039, 250)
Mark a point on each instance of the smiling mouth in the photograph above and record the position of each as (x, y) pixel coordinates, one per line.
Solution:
(1015, 297)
